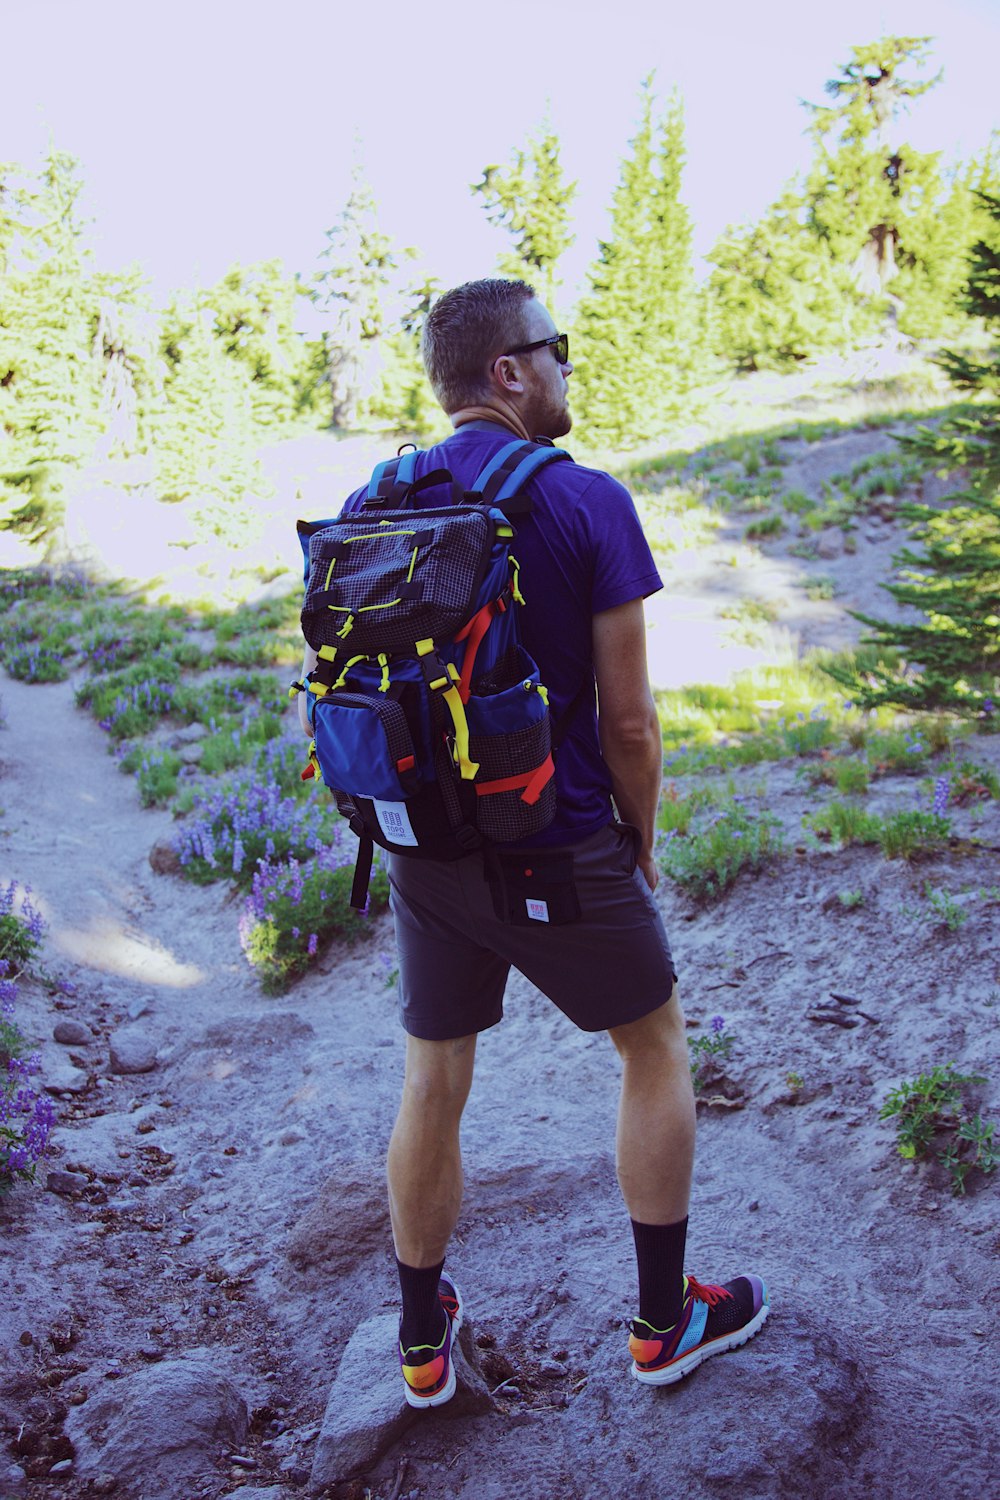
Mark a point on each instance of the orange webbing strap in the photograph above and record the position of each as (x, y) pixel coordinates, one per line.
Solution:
(474, 632)
(534, 782)
(311, 770)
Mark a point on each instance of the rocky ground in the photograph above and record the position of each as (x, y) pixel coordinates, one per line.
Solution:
(200, 1301)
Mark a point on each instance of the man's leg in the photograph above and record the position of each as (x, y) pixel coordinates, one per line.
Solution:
(425, 1161)
(656, 1115)
(655, 1153)
(680, 1322)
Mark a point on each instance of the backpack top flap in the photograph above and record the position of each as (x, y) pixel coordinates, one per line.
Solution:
(398, 579)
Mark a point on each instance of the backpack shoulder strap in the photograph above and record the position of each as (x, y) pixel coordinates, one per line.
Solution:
(305, 530)
(391, 479)
(509, 470)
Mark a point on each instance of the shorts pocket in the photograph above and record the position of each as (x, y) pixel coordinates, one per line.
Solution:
(533, 887)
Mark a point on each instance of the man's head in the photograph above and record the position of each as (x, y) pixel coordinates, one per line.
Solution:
(475, 354)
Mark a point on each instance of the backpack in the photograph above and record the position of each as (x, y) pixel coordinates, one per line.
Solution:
(430, 724)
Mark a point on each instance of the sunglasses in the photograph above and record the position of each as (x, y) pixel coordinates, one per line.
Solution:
(559, 342)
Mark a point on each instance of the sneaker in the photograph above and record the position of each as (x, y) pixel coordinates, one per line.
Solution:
(713, 1319)
(428, 1373)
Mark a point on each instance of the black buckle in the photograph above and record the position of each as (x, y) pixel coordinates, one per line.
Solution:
(433, 669)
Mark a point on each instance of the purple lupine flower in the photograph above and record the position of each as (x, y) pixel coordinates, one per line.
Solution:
(312, 945)
(942, 790)
(718, 1024)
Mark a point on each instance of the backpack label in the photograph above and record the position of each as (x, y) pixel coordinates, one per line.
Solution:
(394, 821)
(538, 911)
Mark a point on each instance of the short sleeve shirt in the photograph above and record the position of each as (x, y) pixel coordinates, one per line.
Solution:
(581, 551)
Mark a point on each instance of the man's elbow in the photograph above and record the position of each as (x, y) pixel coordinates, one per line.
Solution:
(632, 733)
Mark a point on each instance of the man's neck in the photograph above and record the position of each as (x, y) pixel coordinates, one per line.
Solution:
(498, 416)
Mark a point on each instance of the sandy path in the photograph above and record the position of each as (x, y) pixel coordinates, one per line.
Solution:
(883, 1284)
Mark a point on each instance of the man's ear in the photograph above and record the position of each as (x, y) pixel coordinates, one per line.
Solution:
(507, 374)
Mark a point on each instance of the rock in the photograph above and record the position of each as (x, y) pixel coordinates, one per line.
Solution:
(164, 859)
(366, 1412)
(830, 543)
(160, 1431)
(66, 1184)
(72, 1033)
(64, 1466)
(190, 754)
(348, 1222)
(131, 1054)
(800, 1364)
(189, 735)
(254, 1492)
(139, 1007)
(60, 1076)
(13, 1481)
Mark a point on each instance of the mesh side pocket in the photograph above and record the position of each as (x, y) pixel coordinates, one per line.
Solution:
(504, 815)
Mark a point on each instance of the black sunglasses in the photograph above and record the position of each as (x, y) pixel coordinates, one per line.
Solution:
(559, 342)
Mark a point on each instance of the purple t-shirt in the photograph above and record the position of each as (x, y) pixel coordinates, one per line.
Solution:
(581, 551)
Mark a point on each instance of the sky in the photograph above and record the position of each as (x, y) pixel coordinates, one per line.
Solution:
(215, 132)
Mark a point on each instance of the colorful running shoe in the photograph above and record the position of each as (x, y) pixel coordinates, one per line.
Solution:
(713, 1319)
(428, 1373)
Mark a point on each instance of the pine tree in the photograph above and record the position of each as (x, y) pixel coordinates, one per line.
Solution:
(50, 380)
(778, 294)
(254, 319)
(203, 433)
(952, 576)
(404, 398)
(869, 192)
(637, 346)
(530, 199)
(353, 288)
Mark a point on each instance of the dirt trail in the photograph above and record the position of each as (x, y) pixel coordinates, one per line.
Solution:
(231, 1199)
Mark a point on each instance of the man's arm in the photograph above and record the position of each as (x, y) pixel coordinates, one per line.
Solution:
(309, 660)
(627, 722)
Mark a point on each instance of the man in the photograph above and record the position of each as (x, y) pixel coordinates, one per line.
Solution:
(499, 368)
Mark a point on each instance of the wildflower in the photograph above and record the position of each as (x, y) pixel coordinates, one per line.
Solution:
(312, 945)
(718, 1024)
(942, 789)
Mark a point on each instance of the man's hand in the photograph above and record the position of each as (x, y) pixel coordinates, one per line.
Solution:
(650, 870)
(309, 660)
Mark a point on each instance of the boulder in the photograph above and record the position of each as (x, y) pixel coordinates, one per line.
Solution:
(160, 1431)
(164, 859)
(367, 1414)
(70, 1033)
(131, 1053)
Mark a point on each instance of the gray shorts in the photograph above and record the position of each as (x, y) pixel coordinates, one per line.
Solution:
(608, 965)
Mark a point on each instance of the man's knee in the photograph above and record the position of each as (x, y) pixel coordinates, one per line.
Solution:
(439, 1071)
(659, 1033)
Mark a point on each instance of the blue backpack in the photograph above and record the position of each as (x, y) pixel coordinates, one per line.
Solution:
(430, 724)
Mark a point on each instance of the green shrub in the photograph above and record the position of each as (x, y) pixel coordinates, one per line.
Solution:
(910, 832)
(293, 911)
(157, 775)
(944, 905)
(821, 588)
(36, 663)
(850, 777)
(930, 1123)
(798, 502)
(707, 861)
(759, 530)
(847, 822)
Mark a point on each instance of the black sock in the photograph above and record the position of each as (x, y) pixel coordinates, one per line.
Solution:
(423, 1315)
(659, 1251)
